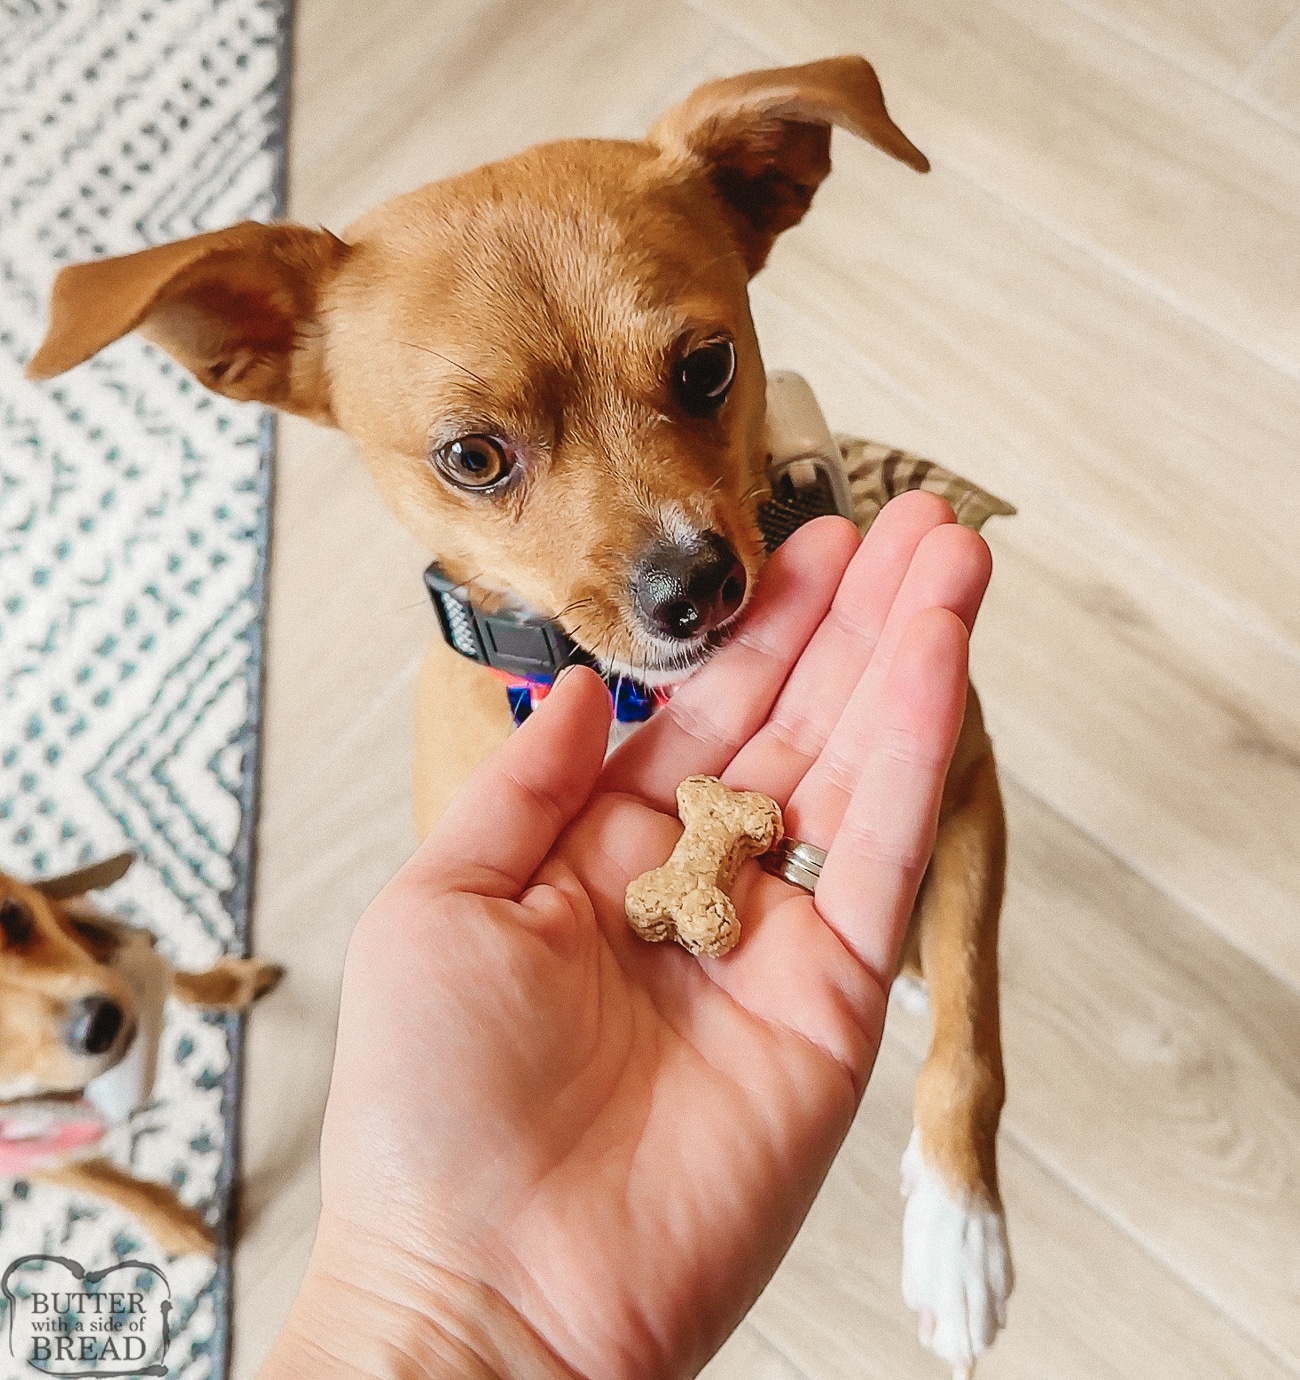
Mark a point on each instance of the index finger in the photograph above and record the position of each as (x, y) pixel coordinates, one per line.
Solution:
(725, 702)
(827, 674)
(880, 851)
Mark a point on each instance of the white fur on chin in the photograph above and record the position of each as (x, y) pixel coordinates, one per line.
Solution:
(128, 1085)
(655, 676)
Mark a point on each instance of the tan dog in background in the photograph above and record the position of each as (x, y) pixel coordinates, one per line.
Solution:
(549, 365)
(69, 1015)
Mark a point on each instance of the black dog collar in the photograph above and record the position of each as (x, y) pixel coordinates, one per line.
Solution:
(528, 651)
(525, 645)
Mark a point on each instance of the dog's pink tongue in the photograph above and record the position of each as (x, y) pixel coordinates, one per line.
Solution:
(35, 1135)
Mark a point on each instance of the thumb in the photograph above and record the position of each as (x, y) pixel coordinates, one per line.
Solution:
(505, 819)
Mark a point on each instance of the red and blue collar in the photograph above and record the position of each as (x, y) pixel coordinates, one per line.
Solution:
(634, 703)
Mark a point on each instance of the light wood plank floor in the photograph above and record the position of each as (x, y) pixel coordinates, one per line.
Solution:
(1092, 307)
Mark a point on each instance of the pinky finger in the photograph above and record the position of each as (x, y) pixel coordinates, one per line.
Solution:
(879, 854)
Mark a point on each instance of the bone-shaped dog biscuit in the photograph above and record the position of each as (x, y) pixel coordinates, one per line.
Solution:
(687, 898)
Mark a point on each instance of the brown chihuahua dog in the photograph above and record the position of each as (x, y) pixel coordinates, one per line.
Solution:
(80, 993)
(549, 365)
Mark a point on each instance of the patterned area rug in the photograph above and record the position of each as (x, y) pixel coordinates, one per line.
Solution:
(133, 538)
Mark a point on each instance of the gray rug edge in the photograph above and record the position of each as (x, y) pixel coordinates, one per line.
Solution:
(244, 894)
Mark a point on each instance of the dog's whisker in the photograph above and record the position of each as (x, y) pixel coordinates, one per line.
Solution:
(580, 632)
(446, 359)
(571, 607)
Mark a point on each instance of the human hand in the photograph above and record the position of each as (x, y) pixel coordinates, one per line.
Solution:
(552, 1149)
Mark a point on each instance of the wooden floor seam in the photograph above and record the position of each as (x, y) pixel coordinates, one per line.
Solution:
(1157, 884)
(1146, 1246)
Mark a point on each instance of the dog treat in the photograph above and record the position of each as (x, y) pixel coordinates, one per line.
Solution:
(687, 898)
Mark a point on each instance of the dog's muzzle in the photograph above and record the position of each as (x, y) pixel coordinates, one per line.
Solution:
(93, 1025)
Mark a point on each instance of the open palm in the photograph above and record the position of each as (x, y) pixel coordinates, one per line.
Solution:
(615, 1139)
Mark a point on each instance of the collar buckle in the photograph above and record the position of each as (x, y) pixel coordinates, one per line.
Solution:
(525, 645)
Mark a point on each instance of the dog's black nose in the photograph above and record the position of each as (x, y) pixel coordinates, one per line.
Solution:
(93, 1025)
(681, 591)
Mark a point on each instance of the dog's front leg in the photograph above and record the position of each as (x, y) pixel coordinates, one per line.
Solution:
(461, 714)
(178, 1229)
(957, 1271)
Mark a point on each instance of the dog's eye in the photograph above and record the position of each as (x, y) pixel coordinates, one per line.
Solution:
(704, 375)
(474, 462)
(16, 922)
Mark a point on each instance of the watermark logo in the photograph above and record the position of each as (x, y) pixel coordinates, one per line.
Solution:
(67, 1321)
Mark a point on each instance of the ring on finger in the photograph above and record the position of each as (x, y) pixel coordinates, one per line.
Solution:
(798, 863)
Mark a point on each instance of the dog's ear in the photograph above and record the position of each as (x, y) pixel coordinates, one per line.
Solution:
(236, 307)
(764, 139)
(93, 878)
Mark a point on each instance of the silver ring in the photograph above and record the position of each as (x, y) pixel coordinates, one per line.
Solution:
(797, 863)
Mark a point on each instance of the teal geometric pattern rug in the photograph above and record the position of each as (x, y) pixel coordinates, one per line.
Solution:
(134, 510)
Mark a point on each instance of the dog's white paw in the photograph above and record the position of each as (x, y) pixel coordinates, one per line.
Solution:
(912, 993)
(957, 1273)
